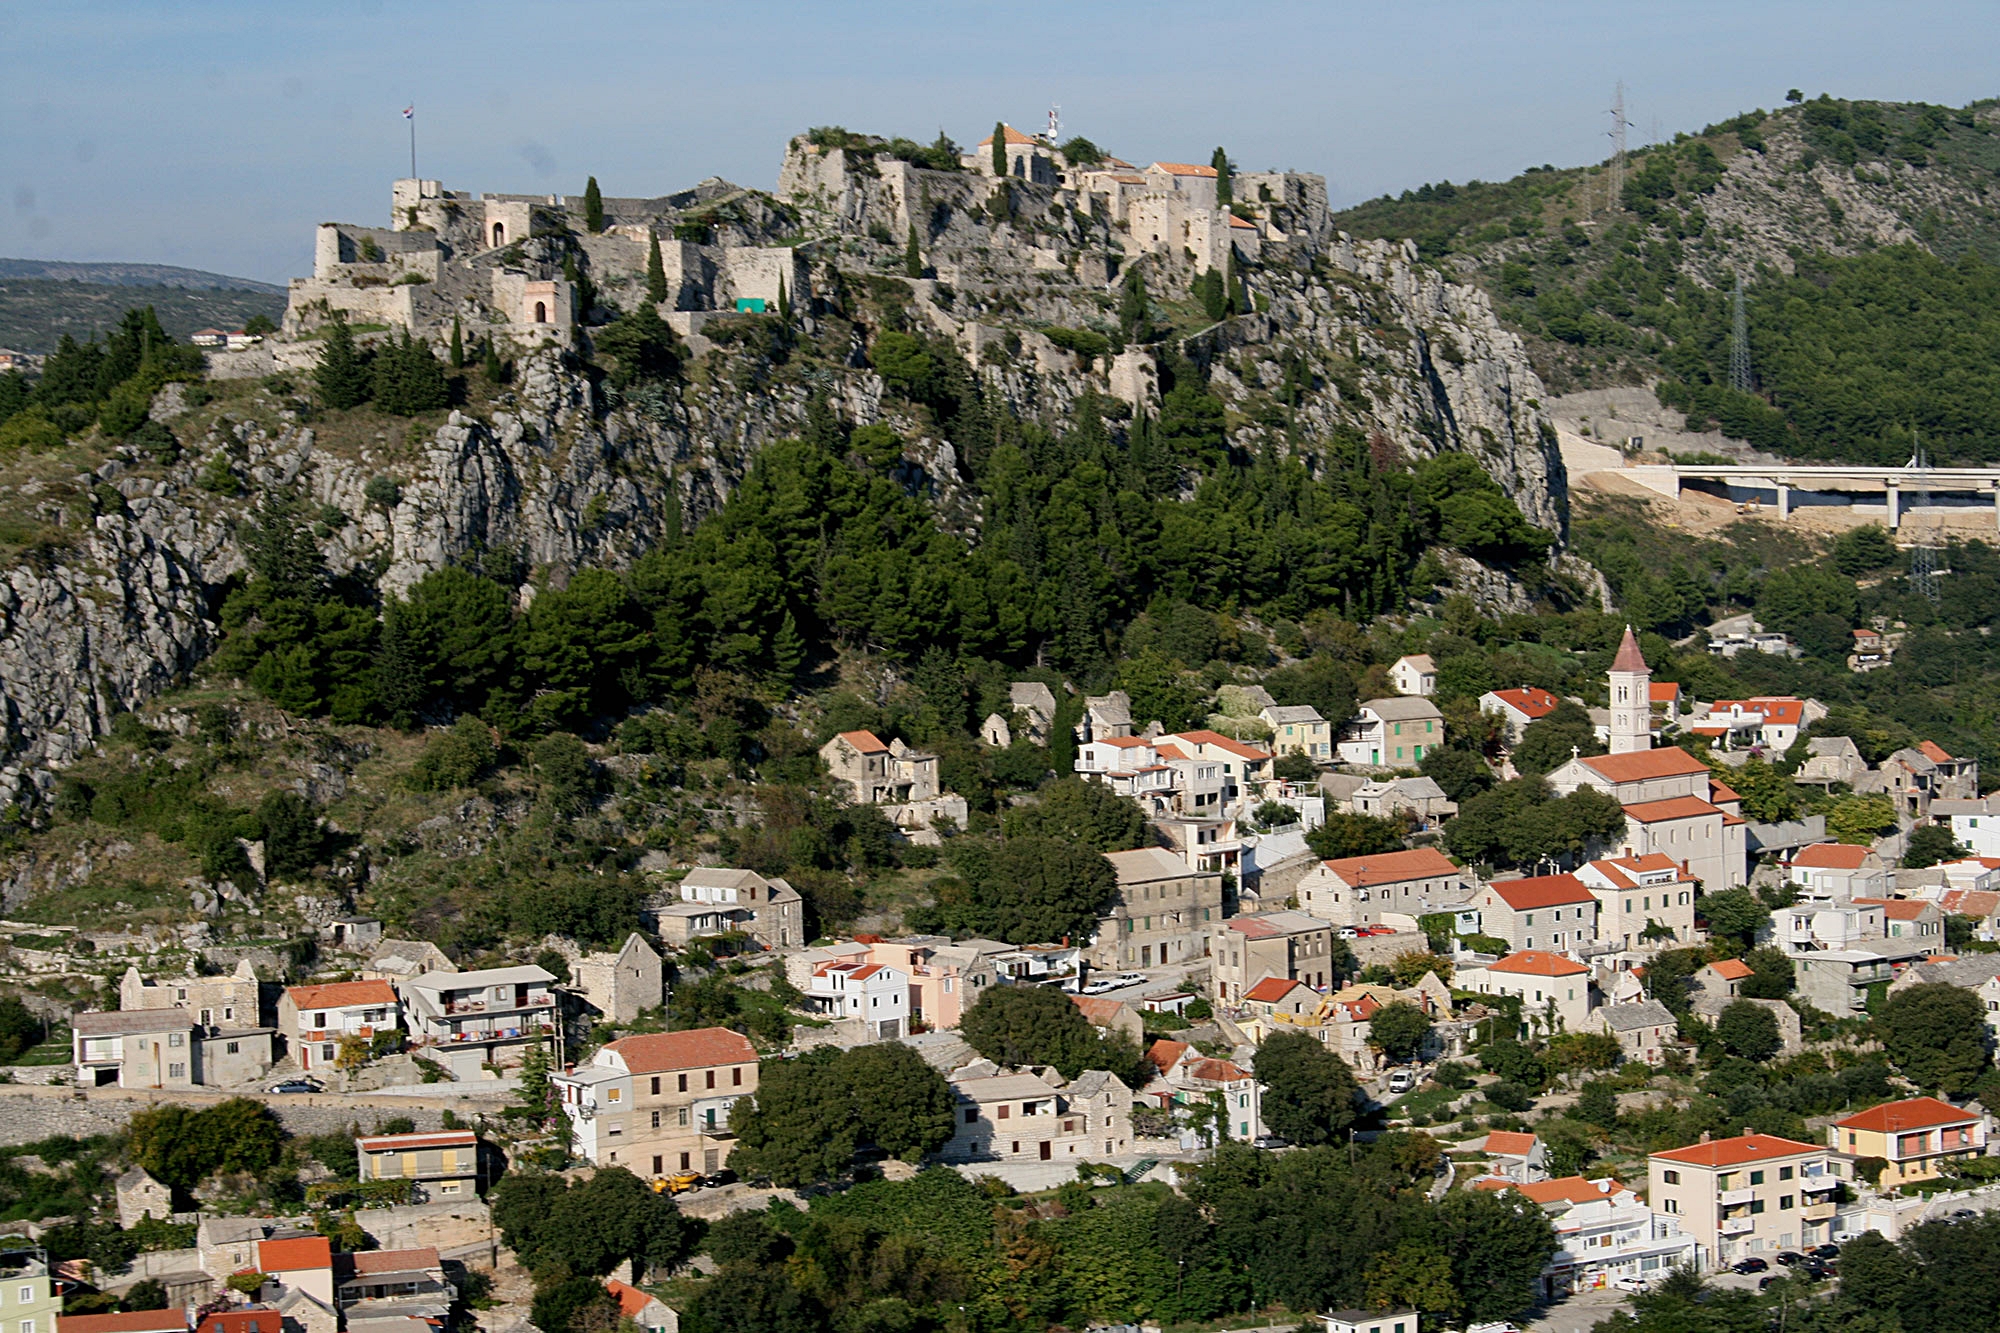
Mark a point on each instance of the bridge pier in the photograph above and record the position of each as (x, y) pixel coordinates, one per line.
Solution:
(1894, 493)
(1996, 503)
(1785, 502)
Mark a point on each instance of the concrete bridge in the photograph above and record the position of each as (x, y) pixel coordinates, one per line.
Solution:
(1893, 483)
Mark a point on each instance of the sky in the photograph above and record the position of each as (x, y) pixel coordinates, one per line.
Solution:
(215, 135)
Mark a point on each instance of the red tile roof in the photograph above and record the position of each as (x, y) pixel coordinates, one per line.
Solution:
(1732, 969)
(1674, 807)
(1775, 710)
(131, 1321)
(866, 741)
(1165, 1054)
(632, 1302)
(1642, 765)
(1916, 1113)
(1507, 1143)
(1569, 1189)
(294, 1254)
(1391, 867)
(1831, 856)
(1222, 742)
(368, 1263)
(1629, 657)
(455, 1138)
(1934, 752)
(1183, 169)
(1535, 962)
(340, 994)
(1124, 742)
(1008, 135)
(1970, 902)
(1743, 1149)
(1718, 793)
(1542, 891)
(1272, 990)
(697, 1048)
(255, 1319)
(1897, 909)
(1098, 1009)
(1215, 1071)
(1662, 692)
(1528, 701)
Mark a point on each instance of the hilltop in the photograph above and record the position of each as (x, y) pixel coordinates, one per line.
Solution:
(35, 312)
(112, 273)
(1865, 234)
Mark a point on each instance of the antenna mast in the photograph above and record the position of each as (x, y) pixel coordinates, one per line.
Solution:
(1615, 181)
(1055, 124)
(1739, 340)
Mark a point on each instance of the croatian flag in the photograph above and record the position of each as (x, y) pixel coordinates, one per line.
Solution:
(410, 111)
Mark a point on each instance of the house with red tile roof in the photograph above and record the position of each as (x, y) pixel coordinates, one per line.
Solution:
(1111, 1016)
(1360, 890)
(1515, 1157)
(1517, 707)
(873, 996)
(1641, 775)
(1245, 950)
(302, 1264)
(1910, 919)
(128, 1321)
(1769, 722)
(1604, 1231)
(1753, 1194)
(1550, 912)
(441, 1166)
(379, 1282)
(641, 1307)
(877, 772)
(1724, 978)
(1837, 872)
(659, 1103)
(1554, 990)
(315, 1019)
(1639, 896)
(1917, 1137)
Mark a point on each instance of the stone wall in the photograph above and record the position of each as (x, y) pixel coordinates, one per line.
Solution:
(31, 1113)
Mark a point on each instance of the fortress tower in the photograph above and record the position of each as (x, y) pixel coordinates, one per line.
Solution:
(1631, 698)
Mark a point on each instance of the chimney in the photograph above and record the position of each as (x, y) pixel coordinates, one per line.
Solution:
(1704, 1136)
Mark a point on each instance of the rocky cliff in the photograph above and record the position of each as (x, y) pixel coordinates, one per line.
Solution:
(558, 472)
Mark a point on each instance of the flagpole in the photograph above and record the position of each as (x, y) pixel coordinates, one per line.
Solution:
(413, 141)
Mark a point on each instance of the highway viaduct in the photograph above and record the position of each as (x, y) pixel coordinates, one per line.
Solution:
(1896, 484)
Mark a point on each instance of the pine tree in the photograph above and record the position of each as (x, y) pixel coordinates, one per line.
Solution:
(342, 376)
(913, 258)
(1000, 148)
(593, 206)
(457, 346)
(656, 270)
(1132, 306)
(1220, 161)
(788, 649)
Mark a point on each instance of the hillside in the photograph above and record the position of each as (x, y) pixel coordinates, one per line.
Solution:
(1865, 234)
(35, 312)
(113, 274)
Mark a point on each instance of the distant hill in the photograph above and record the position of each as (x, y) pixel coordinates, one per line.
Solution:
(131, 275)
(1865, 236)
(36, 312)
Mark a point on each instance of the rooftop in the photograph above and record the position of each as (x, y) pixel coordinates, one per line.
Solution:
(1542, 891)
(1143, 865)
(525, 975)
(1272, 925)
(339, 994)
(1739, 1151)
(1732, 969)
(1272, 990)
(1674, 807)
(1642, 765)
(294, 1253)
(131, 1321)
(697, 1048)
(1507, 1143)
(1537, 963)
(1831, 856)
(128, 1022)
(1391, 867)
(1403, 708)
(1916, 1113)
(867, 741)
(1528, 700)
(455, 1138)
(1629, 657)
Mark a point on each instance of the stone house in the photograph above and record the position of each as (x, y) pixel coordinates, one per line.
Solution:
(1029, 157)
(1415, 675)
(140, 1196)
(1105, 715)
(1838, 980)
(878, 773)
(659, 1103)
(475, 1019)
(1643, 1029)
(1361, 890)
(1035, 704)
(1640, 893)
(1722, 979)
(143, 1048)
(394, 960)
(1025, 1118)
(230, 1001)
(1114, 1016)
(1299, 729)
(1245, 950)
(1556, 913)
(1554, 990)
(1831, 759)
(441, 1166)
(1392, 733)
(643, 1308)
(620, 985)
(711, 900)
(1516, 708)
(314, 1019)
(1910, 919)
(1274, 996)
(1420, 798)
(1160, 911)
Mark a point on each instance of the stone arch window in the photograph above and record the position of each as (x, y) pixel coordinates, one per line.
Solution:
(541, 312)
(499, 234)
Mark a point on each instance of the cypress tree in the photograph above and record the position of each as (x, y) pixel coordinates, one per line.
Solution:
(1233, 288)
(656, 270)
(489, 364)
(1000, 148)
(784, 302)
(342, 376)
(913, 258)
(457, 346)
(1220, 161)
(593, 206)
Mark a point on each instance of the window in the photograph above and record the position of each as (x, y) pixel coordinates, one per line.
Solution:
(684, 1085)
(656, 1085)
(1756, 1177)
(684, 1117)
(1784, 1173)
(177, 1071)
(1673, 1205)
(1756, 1206)
(971, 1115)
(1002, 1113)
(27, 1295)
(177, 1039)
(233, 1047)
(736, 1077)
(656, 1120)
(614, 1094)
(1784, 1203)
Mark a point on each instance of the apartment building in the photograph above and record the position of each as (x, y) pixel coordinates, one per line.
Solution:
(1024, 1118)
(441, 1167)
(1917, 1137)
(1554, 913)
(659, 1103)
(1160, 911)
(475, 1019)
(1753, 1194)
(29, 1301)
(1604, 1231)
(1245, 950)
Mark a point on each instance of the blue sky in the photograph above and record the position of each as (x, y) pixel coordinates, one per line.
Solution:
(215, 135)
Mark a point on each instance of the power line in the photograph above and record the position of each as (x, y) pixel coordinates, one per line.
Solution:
(1739, 340)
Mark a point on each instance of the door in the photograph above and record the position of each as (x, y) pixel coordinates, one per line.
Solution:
(1047, 1149)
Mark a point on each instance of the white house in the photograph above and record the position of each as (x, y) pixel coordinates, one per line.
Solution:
(1605, 1231)
(1837, 872)
(1392, 733)
(876, 994)
(1554, 990)
(314, 1019)
(1975, 825)
(1516, 708)
(1415, 675)
(1640, 893)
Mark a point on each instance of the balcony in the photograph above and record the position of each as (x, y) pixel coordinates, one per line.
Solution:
(1736, 1226)
(1736, 1198)
(1819, 1184)
(1819, 1212)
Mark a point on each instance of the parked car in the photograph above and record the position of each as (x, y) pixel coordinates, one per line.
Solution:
(1348, 933)
(1827, 1251)
(1629, 1284)
(1814, 1271)
(1402, 1080)
(1378, 930)
(1963, 1215)
(292, 1085)
(723, 1177)
(1789, 1257)
(1270, 1141)
(1102, 986)
(1750, 1265)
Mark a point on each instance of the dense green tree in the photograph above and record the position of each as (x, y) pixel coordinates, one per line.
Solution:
(567, 775)
(1038, 1025)
(1735, 916)
(639, 346)
(408, 378)
(1513, 1060)
(456, 355)
(1772, 975)
(1310, 1095)
(1219, 160)
(1863, 550)
(1859, 820)
(1344, 835)
(593, 206)
(1874, 1274)
(1081, 811)
(913, 257)
(1460, 773)
(1749, 1030)
(800, 1129)
(293, 838)
(1929, 844)
(900, 1104)
(656, 269)
(19, 1029)
(999, 145)
(341, 376)
(1549, 742)
(1399, 1031)
(1024, 890)
(1497, 1244)
(180, 1146)
(1935, 1035)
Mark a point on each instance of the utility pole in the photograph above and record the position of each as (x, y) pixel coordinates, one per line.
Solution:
(1615, 179)
(1923, 556)
(1739, 340)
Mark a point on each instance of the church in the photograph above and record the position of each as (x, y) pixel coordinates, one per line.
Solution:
(1673, 805)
